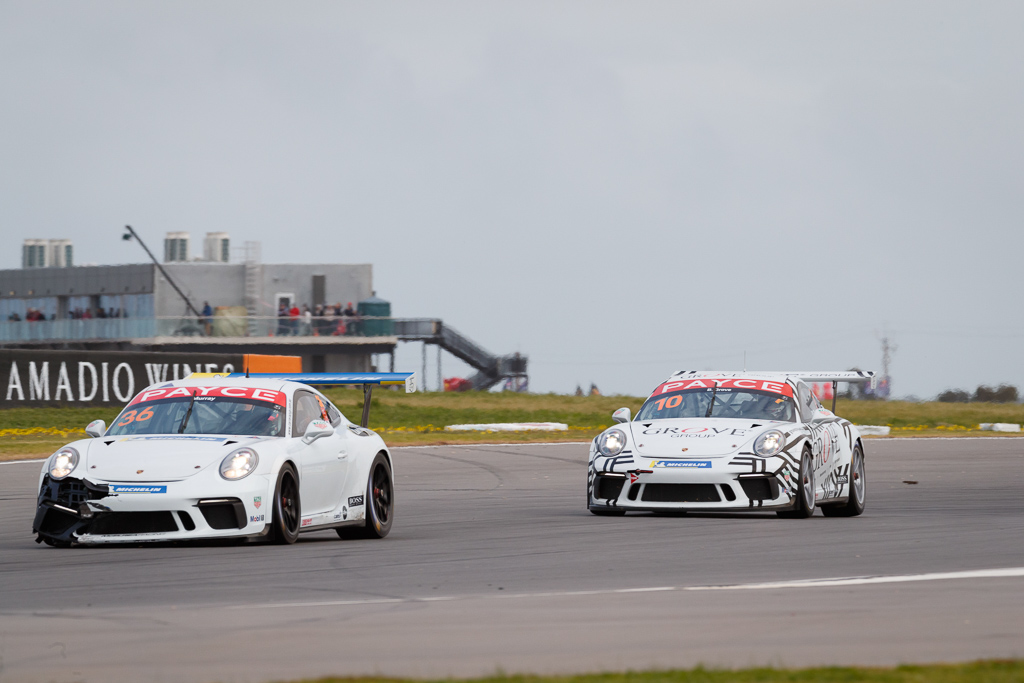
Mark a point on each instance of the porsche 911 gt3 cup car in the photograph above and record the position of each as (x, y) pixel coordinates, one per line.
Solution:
(217, 456)
(731, 441)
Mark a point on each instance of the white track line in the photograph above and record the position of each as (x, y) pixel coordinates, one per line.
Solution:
(865, 580)
(1011, 572)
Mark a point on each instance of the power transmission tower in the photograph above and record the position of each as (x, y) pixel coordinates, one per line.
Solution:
(887, 350)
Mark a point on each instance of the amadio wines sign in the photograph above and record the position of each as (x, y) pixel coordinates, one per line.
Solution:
(30, 377)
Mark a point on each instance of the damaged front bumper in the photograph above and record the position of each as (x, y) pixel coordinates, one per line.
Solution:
(66, 507)
(80, 511)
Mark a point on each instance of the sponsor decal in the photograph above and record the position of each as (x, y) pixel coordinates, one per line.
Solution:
(257, 501)
(137, 488)
(344, 512)
(355, 501)
(756, 384)
(268, 395)
(695, 432)
(307, 521)
(843, 479)
(687, 464)
(255, 518)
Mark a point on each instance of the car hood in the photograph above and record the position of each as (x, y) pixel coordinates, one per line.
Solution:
(696, 437)
(158, 457)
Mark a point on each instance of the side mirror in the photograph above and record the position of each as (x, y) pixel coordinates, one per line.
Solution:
(621, 415)
(821, 414)
(317, 429)
(96, 428)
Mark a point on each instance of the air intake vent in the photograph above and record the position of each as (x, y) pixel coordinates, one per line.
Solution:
(608, 487)
(117, 523)
(681, 493)
(760, 488)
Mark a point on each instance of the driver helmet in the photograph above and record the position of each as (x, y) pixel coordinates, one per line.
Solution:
(778, 409)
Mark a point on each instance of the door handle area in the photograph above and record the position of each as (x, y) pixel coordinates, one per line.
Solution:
(342, 455)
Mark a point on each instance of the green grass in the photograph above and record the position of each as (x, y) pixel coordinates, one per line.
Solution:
(420, 418)
(975, 672)
(394, 409)
(902, 415)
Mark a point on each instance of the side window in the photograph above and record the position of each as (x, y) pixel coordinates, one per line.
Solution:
(806, 401)
(307, 409)
(329, 412)
(333, 414)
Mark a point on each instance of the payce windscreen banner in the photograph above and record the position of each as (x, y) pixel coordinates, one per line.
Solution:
(37, 378)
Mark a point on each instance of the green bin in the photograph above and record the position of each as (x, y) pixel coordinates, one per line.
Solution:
(375, 307)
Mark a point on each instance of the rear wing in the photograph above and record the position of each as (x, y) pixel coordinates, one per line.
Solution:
(406, 379)
(850, 376)
(367, 380)
(854, 377)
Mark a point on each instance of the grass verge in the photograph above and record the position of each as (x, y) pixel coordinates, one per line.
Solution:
(1011, 671)
(419, 419)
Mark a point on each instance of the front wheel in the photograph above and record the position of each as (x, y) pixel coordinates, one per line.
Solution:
(805, 502)
(284, 526)
(379, 501)
(858, 489)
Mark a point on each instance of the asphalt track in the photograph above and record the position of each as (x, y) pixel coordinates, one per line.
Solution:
(495, 565)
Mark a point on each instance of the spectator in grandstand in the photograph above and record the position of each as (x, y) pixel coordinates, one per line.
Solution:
(207, 319)
(282, 319)
(307, 321)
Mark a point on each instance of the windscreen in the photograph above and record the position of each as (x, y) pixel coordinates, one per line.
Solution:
(242, 411)
(752, 400)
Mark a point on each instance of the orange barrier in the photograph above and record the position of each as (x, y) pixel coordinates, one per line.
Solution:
(261, 363)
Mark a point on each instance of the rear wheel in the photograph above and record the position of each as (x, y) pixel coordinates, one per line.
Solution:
(805, 492)
(284, 527)
(858, 489)
(379, 501)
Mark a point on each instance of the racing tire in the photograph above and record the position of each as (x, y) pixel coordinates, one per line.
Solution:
(805, 502)
(379, 501)
(858, 489)
(287, 513)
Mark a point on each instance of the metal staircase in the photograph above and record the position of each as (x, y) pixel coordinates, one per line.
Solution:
(490, 369)
(253, 285)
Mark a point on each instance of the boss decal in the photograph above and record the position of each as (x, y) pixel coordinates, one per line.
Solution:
(355, 501)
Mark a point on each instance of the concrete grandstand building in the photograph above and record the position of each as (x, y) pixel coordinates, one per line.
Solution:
(160, 307)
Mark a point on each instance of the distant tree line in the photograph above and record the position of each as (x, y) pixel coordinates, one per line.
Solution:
(1004, 393)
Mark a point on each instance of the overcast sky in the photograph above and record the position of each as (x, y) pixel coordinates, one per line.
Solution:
(618, 190)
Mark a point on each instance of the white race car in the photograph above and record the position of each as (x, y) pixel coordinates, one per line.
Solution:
(731, 441)
(219, 456)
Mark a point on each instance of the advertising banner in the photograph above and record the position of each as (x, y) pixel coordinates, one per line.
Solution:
(59, 378)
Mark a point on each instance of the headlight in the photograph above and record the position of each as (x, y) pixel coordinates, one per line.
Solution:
(240, 463)
(63, 462)
(611, 442)
(770, 443)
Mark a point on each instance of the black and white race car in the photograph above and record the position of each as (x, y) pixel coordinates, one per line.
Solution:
(731, 441)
